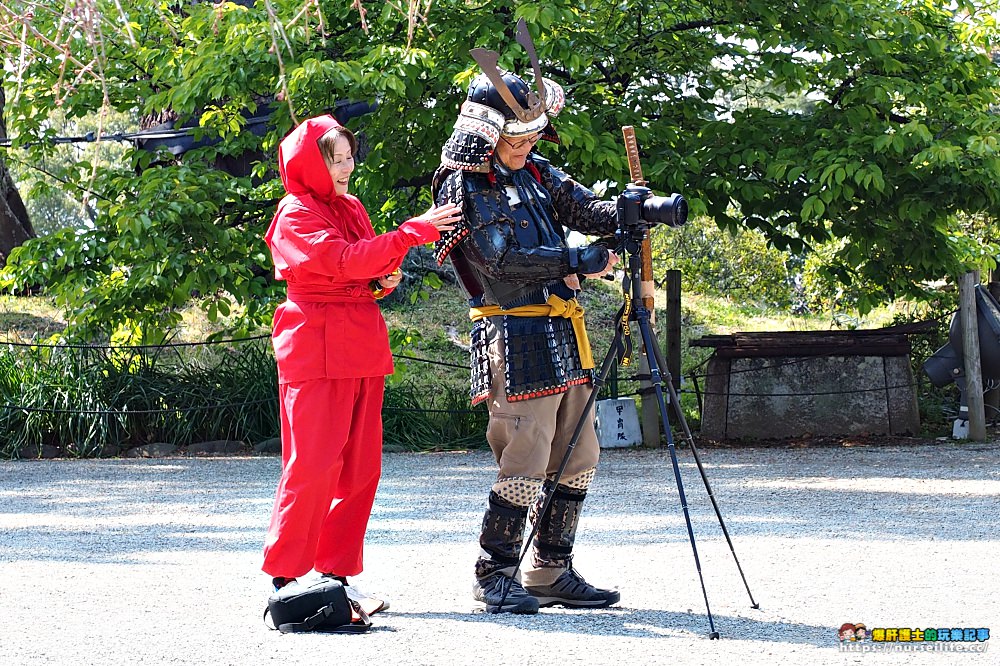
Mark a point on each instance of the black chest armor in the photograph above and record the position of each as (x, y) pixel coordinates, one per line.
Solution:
(510, 251)
(514, 235)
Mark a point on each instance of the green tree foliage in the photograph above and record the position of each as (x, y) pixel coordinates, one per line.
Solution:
(739, 265)
(809, 121)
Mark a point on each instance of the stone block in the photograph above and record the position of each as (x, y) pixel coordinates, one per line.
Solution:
(777, 397)
(618, 423)
(218, 447)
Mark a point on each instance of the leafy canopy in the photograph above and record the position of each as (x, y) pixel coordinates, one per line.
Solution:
(810, 120)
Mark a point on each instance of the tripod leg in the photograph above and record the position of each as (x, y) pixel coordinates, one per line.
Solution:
(671, 394)
(701, 468)
(657, 381)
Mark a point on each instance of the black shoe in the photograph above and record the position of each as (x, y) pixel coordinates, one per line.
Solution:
(279, 582)
(572, 591)
(490, 590)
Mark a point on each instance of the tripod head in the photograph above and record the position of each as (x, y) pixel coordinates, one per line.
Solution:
(638, 211)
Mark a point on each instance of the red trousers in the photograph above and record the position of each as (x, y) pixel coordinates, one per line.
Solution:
(331, 451)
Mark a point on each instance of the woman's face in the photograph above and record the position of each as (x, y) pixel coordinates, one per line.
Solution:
(342, 165)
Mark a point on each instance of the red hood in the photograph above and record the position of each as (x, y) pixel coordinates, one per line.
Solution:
(300, 163)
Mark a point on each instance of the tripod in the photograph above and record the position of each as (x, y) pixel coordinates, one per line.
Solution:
(630, 237)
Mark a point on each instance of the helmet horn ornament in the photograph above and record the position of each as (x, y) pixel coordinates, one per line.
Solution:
(488, 61)
(501, 103)
(524, 39)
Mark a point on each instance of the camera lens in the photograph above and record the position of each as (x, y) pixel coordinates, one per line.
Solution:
(671, 211)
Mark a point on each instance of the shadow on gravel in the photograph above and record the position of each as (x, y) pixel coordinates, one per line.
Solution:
(643, 623)
(916, 493)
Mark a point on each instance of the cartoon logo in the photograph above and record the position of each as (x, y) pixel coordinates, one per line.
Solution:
(853, 632)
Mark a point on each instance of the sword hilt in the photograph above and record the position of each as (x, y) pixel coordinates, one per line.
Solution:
(632, 153)
(635, 171)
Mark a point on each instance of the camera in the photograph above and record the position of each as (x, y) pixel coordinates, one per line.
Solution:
(638, 207)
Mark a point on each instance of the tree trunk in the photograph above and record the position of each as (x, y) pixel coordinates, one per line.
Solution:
(15, 227)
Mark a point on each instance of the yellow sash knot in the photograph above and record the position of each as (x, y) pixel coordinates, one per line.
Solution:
(554, 307)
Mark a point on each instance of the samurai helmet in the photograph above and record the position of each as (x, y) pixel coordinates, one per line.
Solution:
(501, 102)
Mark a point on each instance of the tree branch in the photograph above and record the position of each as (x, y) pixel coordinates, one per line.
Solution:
(694, 25)
(845, 85)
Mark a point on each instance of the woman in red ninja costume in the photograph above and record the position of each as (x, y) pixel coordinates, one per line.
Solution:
(332, 350)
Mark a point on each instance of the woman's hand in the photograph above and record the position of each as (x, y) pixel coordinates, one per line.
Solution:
(392, 280)
(444, 218)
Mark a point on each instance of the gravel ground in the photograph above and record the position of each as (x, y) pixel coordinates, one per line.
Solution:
(157, 562)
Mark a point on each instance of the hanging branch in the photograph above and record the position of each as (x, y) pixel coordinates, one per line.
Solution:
(361, 13)
(416, 11)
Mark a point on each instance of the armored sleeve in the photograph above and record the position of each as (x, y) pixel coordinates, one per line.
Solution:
(577, 207)
(495, 249)
(488, 239)
(447, 188)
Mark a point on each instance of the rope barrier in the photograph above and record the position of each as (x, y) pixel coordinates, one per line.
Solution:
(172, 410)
(11, 343)
(426, 360)
(91, 137)
(639, 377)
(796, 361)
(117, 412)
(809, 393)
(432, 411)
(649, 391)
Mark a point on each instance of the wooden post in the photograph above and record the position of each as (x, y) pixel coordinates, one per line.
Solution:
(970, 349)
(650, 408)
(673, 314)
(649, 416)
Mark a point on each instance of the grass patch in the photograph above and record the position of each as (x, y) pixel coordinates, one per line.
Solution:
(29, 318)
(94, 401)
(417, 421)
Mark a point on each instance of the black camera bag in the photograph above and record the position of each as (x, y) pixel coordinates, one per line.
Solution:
(321, 605)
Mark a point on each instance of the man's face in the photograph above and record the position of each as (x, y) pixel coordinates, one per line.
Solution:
(513, 151)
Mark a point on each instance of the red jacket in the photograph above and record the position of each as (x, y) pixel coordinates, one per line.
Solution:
(324, 246)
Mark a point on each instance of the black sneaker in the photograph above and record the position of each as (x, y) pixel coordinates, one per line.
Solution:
(572, 591)
(279, 582)
(491, 589)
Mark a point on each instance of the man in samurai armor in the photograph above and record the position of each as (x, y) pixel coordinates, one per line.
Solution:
(530, 356)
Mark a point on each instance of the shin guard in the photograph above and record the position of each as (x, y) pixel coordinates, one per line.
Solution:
(501, 536)
(553, 543)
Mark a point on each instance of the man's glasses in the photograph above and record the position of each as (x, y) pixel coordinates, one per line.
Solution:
(530, 141)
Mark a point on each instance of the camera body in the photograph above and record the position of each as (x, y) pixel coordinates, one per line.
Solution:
(638, 208)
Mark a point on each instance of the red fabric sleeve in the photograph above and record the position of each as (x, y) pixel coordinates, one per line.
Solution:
(420, 232)
(308, 243)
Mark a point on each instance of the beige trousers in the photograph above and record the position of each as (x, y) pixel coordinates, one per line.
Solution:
(529, 437)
